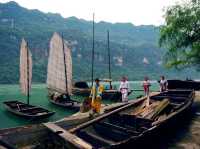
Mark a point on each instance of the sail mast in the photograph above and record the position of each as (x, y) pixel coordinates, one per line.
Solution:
(65, 66)
(27, 73)
(109, 68)
(93, 50)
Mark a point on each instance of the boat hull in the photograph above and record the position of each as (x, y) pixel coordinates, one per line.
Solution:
(66, 103)
(183, 84)
(148, 139)
(81, 91)
(70, 105)
(27, 111)
(132, 125)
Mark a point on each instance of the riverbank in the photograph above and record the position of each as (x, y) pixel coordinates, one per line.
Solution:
(191, 129)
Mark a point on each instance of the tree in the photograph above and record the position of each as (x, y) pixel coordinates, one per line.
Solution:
(181, 35)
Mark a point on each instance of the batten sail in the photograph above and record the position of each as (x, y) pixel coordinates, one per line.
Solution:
(57, 79)
(25, 68)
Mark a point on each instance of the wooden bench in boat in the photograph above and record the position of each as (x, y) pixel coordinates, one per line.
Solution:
(39, 111)
(68, 137)
(28, 109)
(13, 105)
(113, 126)
(128, 116)
(111, 134)
(98, 138)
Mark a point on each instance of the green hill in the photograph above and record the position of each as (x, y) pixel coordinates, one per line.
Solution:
(134, 49)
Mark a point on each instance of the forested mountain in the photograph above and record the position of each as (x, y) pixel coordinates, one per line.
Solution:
(134, 50)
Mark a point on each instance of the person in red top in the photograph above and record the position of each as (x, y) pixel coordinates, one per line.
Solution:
(146, 84)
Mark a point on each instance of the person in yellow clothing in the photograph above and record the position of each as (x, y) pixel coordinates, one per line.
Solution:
(96, 96)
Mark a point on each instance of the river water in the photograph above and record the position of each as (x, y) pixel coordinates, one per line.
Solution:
(39, 97)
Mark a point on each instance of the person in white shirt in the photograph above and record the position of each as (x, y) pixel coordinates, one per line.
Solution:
(163, 84)
(124, 89)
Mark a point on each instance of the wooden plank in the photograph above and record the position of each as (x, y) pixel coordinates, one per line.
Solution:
(162, 105)
(110, 113)
(97, 137)
(78, 142)
(120, 128)
(31, 108)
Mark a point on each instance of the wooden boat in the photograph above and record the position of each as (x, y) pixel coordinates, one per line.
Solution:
(27, 110)
(71, 104)
(59, 74)
(65, 101)
(81, 88)
(183, 84)
(20, 108)
(132, 124)
(108, 94)
(39, 136)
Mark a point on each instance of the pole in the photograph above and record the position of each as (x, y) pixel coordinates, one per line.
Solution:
(93, 51)
(109, 68)
(28, 94)
(65, 66)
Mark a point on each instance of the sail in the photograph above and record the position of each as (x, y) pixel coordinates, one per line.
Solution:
(25, 68)
(59, 73)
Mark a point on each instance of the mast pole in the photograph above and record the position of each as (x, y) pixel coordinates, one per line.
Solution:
(109, 63)
(28, 94)
(65, 66)
(93, 50)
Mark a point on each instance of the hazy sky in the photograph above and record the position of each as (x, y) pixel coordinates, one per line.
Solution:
(135, 11)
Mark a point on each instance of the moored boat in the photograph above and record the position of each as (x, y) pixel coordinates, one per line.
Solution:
(183, 84)
(27, 110)
(132, 123)
(59, 74)
(20, 108)
(81, 88)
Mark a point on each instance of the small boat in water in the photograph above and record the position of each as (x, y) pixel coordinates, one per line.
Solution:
(108, 94)
(27, 110)
(59, 74)
(131, 124)
(81, 88)
(64, 100)
(20, 108)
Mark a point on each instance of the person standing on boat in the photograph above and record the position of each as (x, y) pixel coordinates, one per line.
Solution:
(96, 95)
(124, 89)
(163, 84)
(146, 84)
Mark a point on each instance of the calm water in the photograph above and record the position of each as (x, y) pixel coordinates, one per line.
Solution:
(39, 97)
